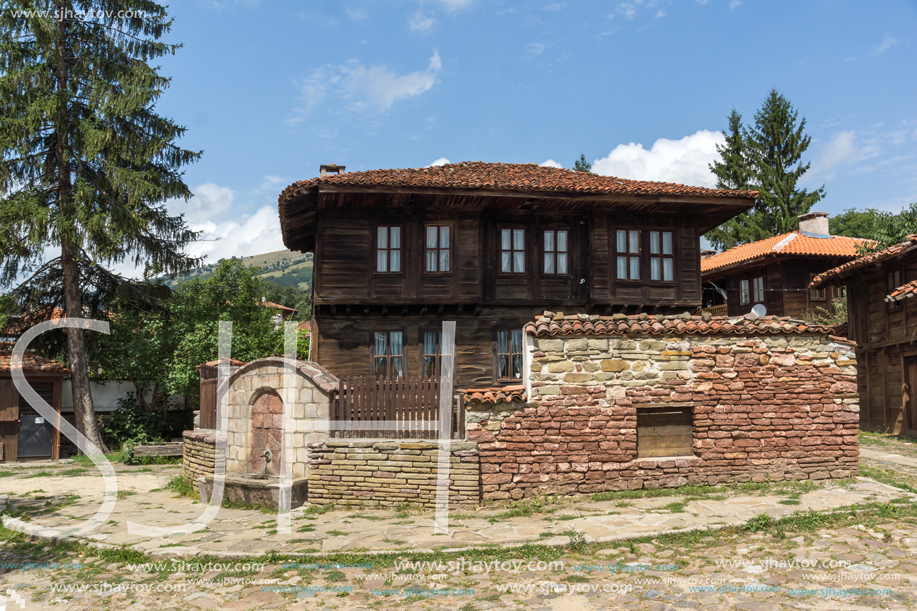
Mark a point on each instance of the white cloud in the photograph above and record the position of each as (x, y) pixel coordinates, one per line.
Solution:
(659, 14)
(554, 6)
(534, 49)
(420, 22)
(357, 14)
(373, 88)
(887, 43)
(440, 161)
(454, 5)
(845, 149)
(550, 163)
(735, 4)
(682, 161)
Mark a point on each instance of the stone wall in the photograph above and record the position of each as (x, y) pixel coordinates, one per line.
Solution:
(778, 407)
(368, 472)
(199, 455)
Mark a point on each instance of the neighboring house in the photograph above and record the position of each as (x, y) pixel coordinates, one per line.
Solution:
(23, 433)
(283, 312)
(776, 271)
(491, 246)
(883, 322)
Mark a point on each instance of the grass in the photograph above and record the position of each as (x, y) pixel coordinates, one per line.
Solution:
(676, 507)
(887, 476)
(123, 494)
(182, 486)
(83, 460)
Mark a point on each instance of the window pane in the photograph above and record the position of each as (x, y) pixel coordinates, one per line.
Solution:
(654, 242)
(395, 265)
(634, 268)
(634, 241)
(429, 366)
(431, 237)
(622, 240)
(655, 269)
(562, 241)
(396, 237)
(502, 341)
(518, 262)
(382, 261)
(517, 366)
(444, 260)
(562, 263)
(666, 242)
(379, 367)
(622, 268)
(395, 342)
(549, 240)
(668, 270)
(503, 366)
(518, 239)
(506, 262)
(432, 261)
(505, 241)
(396, 367)
(444, 237)
(517, 341)
(549, 262)
(383, 237)
(429, 342)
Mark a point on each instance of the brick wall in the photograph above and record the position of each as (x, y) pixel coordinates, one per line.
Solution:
(367, 472)
(778, 406)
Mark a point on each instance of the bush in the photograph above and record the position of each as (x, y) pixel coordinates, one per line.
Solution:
(130, 423)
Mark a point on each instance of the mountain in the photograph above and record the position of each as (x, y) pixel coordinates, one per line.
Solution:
(282, 267)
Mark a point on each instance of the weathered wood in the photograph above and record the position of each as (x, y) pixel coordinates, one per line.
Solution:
(160, 449)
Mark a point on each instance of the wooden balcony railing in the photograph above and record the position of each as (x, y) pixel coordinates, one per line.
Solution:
(717, 310)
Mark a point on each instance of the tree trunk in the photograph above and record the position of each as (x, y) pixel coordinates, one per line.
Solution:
(83, 410)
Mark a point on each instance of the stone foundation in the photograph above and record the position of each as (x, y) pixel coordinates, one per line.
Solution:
(372, 472)
(775, 407)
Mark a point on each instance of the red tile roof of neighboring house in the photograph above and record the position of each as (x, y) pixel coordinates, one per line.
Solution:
(792, 243)
(903, 292)
(277, 306)
(232, 363)
(32, 363)
(512, 176)
(843, 271)
(17, 325)
(306, 326)
(644, 324)
(497, 394)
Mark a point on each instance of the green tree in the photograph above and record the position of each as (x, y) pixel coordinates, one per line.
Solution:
(85, 163)
(884, 228)
(770, 152)
(732, 171)
(581, 165)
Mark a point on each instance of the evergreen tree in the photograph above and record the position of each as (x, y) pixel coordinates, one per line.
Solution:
(768, 156)
(85, 163)
(581, 165)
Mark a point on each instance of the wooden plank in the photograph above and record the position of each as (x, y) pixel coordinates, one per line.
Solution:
(161, 449)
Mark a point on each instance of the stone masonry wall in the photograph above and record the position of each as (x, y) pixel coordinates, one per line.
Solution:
(368, 472)
(199, 454)
(775, 407)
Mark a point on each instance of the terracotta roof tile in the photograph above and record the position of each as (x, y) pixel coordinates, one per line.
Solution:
(277, 306)
(903, 292)
(32, 363)
(845, 270)
(793, 243)
(512, 176)
(644, 324)
(497, 394)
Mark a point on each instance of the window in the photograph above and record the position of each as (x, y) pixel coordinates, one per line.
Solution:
(555, 251)
(628, 247)
(817, 294)
(388, 354)
(743, 290)
(388, 249)
(662, 262)
(759, 289)
(894, 281)
(432, 352)
(437, 249)
(509, 354)
(512, 251)
(665, 431)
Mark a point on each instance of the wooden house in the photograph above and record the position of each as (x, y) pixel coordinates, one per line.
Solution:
(776, 272)
(490, 246)
(883, 323)
(23, 433)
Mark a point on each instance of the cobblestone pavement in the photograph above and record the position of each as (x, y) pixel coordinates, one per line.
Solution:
(862, 560)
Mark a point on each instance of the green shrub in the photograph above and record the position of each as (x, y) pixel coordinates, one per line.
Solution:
(132, 424)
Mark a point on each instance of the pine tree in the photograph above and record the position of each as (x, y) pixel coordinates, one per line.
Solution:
(85, 164)
(581, 165)
(767, 159)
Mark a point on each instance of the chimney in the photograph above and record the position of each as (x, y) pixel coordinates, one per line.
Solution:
(814, 222)
(706, 253)
(330, 168)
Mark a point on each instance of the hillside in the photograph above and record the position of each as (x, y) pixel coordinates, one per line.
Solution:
(283, 267)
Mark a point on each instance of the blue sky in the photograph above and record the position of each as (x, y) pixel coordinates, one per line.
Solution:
(269, 90)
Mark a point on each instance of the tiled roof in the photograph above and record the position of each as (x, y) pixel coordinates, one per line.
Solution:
(843, 271)
(305, 325)
(232, 363)
(17, 325)
(644, 324)
(903, 292)
(277, 306)
(498, 394)
(793, 243)
(512, 176)
(32, 363)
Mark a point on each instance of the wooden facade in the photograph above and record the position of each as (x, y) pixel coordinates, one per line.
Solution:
(13, 410)
(885, 332)
(510, 254)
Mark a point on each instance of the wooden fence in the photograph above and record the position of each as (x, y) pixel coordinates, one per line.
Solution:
(411, 401)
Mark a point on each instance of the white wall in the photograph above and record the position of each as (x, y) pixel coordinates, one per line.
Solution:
(104, 396)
